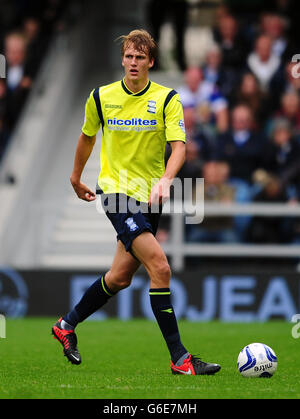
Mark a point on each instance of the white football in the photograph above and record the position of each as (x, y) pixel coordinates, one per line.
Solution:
(257, 360)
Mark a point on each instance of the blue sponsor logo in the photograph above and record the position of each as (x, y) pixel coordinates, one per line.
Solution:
(133, 122)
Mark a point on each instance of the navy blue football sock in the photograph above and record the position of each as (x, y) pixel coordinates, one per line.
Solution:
(160, 299)
(93, 299)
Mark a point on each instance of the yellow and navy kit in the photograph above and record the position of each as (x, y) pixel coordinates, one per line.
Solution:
(136, 128)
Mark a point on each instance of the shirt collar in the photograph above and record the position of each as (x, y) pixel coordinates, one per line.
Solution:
(140, 93)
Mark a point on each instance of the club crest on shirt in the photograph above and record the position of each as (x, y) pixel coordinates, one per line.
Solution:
(151, 106)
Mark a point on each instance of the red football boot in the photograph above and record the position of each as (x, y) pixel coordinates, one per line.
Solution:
(194, 366)
(68, 339)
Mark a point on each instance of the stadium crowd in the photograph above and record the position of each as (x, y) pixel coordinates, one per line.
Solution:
(242, 117)
(26, 28)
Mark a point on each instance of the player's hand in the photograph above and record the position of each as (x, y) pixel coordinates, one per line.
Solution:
(160, 192)
(83, 192)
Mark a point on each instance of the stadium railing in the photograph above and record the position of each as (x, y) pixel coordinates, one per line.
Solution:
(178, 249)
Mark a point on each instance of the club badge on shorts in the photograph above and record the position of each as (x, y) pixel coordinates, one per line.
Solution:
(131, 224)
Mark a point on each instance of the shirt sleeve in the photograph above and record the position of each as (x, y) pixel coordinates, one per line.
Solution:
(174, 120)
(92, 122)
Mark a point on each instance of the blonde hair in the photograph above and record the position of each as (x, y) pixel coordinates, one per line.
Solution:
(141, 40)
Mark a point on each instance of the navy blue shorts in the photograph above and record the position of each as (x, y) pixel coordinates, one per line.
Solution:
(129, 223)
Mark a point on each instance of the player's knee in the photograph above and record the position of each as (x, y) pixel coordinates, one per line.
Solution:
(162, 274)
(124, 281)
(120, 280)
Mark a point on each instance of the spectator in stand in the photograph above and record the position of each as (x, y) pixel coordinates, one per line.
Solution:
(221, 10)
(291, 82)
(214, 71)
(277, 181)
(281, 154)
(234, 49)
(36, 44)
(197, 92)
(289, 10)
(18, 79)
(200, 137)
(241, 147)
(250, 93)
(275, 26)
(264, 63)
(270, 229)
(192, 166)
(216, 189)
(189, 92)
(290, 109)
(212, 68)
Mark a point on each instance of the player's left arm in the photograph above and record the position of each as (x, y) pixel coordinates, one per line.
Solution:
(175, 135)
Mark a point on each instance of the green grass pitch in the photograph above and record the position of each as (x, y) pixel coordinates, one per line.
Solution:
(129, 360)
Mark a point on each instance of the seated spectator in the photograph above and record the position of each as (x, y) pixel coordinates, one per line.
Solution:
(197, 92)
(290, 82)
(199, 131)
(212, 66)
(275, 26)
(193, 162)
(281, 154)
(284, 82)
(216, 189)
(191, 168)
(214, 72)
(290, 110)
(263, 63)
(189, 92)
(18, 79)
(246, 12)
(241, 147)
(233, 47)
(250, 93)
(270, 229)
(289, 11)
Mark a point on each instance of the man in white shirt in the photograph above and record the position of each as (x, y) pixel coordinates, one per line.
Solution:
(263, 62)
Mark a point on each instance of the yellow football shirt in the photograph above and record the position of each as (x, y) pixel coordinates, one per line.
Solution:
(136, 128)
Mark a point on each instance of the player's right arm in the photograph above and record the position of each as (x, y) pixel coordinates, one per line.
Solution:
(84, 148)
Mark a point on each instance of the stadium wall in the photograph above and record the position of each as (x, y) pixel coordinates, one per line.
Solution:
(231, 296)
